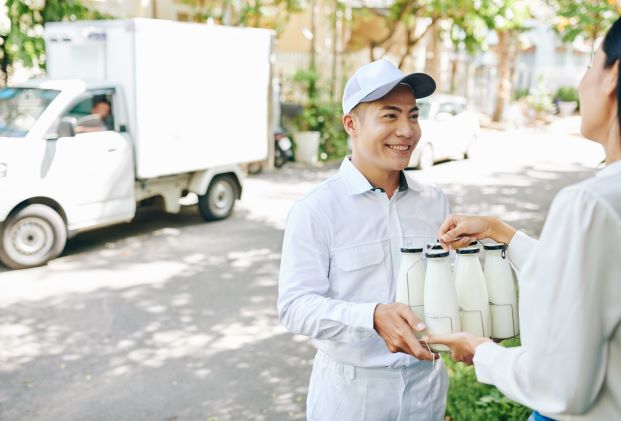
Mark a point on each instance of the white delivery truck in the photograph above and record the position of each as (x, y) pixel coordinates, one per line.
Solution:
(129, 110)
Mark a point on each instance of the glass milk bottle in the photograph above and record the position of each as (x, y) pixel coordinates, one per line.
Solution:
(472, 293)
(474, 244)
(411, 280)
(502, 294)
(441, 309)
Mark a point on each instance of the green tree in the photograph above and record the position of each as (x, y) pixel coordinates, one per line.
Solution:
(272, 14)
(21, 35)
(470, 23)
(588, 18)
(508, 19)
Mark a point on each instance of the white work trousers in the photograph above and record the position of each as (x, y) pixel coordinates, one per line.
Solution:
(344, 392)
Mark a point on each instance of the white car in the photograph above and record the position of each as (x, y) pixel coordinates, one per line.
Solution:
(449, 128)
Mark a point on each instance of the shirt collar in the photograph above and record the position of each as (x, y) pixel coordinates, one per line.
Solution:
(610, 169)
(357, 183)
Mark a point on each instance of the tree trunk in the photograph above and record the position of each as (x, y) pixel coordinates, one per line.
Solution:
(454, 65)
(410, 43)
(313, 51)
(335, 17)
(507, 48)
(434, 52)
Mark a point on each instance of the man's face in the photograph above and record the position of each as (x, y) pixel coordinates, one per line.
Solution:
(101, 109)
(386, 131)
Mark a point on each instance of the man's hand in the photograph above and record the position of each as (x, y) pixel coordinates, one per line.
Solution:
(460, 230)
(398, 325)
(462, 344)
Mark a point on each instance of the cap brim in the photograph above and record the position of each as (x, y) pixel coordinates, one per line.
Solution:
(422, 85)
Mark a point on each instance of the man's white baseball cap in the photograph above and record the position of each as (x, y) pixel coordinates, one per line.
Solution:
(376, 79)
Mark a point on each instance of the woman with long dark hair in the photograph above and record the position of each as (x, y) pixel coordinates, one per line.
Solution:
(569, 363)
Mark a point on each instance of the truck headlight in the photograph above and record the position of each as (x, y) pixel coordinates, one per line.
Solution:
(3, 169)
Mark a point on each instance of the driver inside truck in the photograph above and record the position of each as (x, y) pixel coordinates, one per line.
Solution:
(99, 118)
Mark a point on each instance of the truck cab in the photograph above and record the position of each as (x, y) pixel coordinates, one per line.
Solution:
(77, 154)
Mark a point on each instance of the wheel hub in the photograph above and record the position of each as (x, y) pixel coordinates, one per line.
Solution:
(222, 196)
(31, 236)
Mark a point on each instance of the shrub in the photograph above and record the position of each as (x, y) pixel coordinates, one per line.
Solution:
(322, 116)
(566, 93)
(469, 400)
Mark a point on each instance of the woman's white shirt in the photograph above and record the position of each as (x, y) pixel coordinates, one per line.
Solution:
(569, 363)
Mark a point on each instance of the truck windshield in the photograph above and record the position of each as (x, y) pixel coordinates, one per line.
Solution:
(20, 108)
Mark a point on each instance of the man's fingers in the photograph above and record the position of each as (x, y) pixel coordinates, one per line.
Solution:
(418, 350)
(415, 323)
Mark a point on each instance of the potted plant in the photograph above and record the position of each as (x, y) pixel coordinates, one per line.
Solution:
(567, 100)
(307, 135)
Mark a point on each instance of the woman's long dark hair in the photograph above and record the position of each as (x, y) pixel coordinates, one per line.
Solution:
(612, 50)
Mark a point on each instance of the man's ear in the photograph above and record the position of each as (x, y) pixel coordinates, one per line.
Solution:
(350, 123)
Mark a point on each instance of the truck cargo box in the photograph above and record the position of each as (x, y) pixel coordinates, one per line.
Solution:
(197, 95)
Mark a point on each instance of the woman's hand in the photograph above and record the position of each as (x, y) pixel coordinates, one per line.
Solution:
(462, 344)
(460, 230)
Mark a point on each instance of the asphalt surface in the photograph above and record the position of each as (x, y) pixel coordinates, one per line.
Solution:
(170, 318)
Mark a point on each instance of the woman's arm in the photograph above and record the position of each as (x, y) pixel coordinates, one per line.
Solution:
(562, 362)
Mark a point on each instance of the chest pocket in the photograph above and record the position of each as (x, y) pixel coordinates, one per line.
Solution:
(360, 274)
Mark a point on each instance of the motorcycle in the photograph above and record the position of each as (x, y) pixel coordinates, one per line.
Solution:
(283, 152)
(283, 149)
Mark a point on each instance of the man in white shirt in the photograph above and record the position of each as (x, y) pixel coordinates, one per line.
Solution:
(341, 254)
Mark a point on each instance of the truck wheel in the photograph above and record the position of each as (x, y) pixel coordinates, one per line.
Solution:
(32, 237)
(219, 200)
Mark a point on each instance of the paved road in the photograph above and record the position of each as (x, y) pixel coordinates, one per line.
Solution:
(169, 318)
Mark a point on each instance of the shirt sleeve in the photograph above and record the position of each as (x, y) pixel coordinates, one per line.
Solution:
(303, 305)
(519, 248)
(560, 367)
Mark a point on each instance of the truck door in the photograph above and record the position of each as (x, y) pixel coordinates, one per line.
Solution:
(92, 162)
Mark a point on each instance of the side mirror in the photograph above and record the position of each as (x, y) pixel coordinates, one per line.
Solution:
(66, 127)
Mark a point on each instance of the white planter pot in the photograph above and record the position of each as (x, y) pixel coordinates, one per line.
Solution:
(307, 147)
(567, 108)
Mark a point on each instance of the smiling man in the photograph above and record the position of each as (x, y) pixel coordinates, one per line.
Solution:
(341, 255)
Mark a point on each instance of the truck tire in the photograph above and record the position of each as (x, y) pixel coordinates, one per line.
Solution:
(32, 237)
(219, 200)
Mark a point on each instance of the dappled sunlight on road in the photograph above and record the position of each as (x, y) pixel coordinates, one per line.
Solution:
(172, 307)
(123, 316)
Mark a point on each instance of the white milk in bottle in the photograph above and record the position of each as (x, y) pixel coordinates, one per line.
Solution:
(411, 281)
(501, 290)
(474, 244)
(472, 292)
(441, 309)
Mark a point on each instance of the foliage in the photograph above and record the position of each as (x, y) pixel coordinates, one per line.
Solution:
(469, 400)
(21, 34)
(589, 19)
(566, 93)
(272, 14)
(539, 100)
(321, 116)
(324, 117)
(520, 93)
